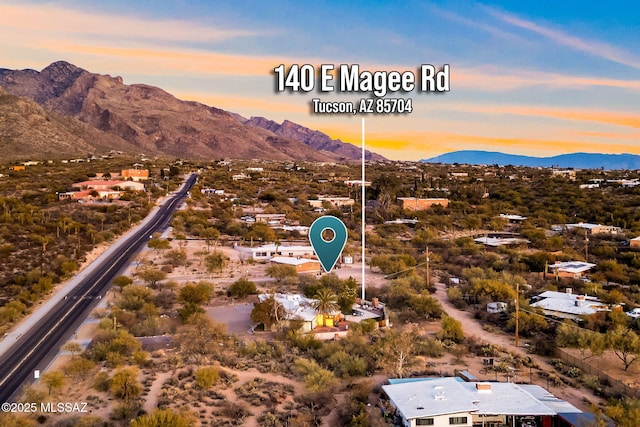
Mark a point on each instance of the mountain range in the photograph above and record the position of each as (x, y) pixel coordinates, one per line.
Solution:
(573, 160)
(65, 110)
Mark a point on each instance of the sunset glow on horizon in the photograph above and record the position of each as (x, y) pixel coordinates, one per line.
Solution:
(541, 79)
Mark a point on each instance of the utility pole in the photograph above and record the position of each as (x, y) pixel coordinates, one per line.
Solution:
(586, 245)
(517, 310)
(428, 271)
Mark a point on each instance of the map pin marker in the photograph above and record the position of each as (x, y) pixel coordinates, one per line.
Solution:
(329, 250)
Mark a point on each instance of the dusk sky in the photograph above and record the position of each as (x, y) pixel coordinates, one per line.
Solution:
(536, 78)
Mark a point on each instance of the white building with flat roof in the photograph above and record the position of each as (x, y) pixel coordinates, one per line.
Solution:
(567, 305)
(267, 252)
(449, 402)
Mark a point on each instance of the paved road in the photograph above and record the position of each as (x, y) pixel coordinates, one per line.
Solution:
(33, 346)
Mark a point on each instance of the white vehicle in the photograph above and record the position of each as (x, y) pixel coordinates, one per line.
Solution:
(635, 313)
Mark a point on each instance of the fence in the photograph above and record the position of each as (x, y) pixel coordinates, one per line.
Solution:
(614, 384)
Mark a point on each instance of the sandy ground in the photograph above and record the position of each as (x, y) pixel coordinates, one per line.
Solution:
(472, 327)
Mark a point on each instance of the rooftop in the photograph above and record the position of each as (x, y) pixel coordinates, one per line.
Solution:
(574, 267)
(428, 397)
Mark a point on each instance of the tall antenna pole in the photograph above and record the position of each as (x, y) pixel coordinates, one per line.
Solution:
(363, 205)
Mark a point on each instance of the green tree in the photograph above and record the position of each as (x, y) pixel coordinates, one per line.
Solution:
(242, 287)
(162, 418)
(397, 351)
(268, 312)
(152, 276)
(316, 378)
(125, 385)
(426, 306)
(210, 234)
(281, 272)
(176, 257)
(79, 368)
(206, 376)
(158, 244)
(216, 261)
(450, 329)
(201, 336)
(122, 281)
(72, 347)
(134, 297)
(625, 345)
(326, 302)
(52, 380)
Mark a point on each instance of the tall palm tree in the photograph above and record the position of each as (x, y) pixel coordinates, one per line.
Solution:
(326, 301)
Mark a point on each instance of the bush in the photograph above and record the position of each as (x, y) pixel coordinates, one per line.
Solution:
(241, 288)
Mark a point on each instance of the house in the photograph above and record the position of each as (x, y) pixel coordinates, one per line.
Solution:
(302, 265)
(17, 168)
(108, 185)
(299, 307)
(566, 305)
(450, 402)
(356, 183)
(495, 242)
(266, 252)
(566, 173)
(595, 228)
(417, 204)
(634, 243)
(335, 201)
(271, 218)
(240, 177)
(135, 174)
(571, 269)
(513, 219)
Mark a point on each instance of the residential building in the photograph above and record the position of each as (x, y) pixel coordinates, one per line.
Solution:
(495, 242)
(335, 201)
(571, 269)
(566, 173)
(135, 174)
(567, 305)
(271, 218)
(299, 307)
(302, 265)
(108, 185)
(634, 243)
(451, 402)
(595, 228)
(266, 252)
(417, 204)
(514, 219)
(357, 183)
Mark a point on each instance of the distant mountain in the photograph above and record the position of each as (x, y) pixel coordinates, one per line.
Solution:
(151, 120)
(574, 160)
(27, 128)
(313, 138)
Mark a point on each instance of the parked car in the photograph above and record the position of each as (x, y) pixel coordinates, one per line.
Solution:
(634, 313)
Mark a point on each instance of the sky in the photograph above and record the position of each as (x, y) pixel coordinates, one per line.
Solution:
(535, 78)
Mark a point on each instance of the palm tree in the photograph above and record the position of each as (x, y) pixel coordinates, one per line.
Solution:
(326, 301)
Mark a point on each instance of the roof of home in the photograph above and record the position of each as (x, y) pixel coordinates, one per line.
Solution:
(500, 241)
(573, 266)
(289, 260)
(297, 306)
(561, 302)
(507, 399)
(428, 397)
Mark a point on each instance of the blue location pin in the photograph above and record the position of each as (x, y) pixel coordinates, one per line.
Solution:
(328, 251)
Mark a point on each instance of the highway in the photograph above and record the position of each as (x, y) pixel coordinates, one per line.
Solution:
(33, 349)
